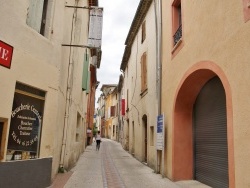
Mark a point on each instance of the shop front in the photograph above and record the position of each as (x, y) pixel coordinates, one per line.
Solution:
(23, 164)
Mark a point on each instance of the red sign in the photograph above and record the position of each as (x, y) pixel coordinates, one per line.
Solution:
(123, 107)
(6, 52)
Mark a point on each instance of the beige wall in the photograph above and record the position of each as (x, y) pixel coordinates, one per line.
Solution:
(42, 62)
(141, 105)
(215, 32)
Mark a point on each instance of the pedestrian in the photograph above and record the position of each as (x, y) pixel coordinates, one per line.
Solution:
(98, 140)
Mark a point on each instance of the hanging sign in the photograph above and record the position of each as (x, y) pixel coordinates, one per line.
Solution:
(159, 134)
(95, 27)
(6, 52)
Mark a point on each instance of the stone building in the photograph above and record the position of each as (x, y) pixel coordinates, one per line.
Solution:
(139, 68)
(205, 91)
(47, 78)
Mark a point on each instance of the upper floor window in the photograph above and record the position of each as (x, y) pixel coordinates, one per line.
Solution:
(177, 21)
(246, 10)
(143, 31)
(36, 17)
(144, 82)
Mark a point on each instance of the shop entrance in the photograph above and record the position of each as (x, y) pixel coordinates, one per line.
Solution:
(210, 135)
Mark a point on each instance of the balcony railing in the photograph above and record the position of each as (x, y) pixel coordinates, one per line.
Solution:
(178, 35)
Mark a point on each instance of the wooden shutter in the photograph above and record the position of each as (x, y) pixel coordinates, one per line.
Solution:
(145, 70)
(144, 84)
(143, 31)
(35, 13)
(112, 109)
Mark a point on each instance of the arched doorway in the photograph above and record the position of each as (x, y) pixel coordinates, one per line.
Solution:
(183, 155)
(145, 136)
(210, 135)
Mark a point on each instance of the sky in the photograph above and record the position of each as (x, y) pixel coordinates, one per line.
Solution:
(117, 18)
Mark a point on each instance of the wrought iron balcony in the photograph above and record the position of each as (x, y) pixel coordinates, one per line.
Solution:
(178, 35)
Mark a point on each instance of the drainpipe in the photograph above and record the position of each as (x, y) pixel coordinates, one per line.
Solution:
(158, 26)
(160, 80)
(68, 93)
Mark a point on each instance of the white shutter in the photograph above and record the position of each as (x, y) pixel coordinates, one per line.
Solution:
(35, 12)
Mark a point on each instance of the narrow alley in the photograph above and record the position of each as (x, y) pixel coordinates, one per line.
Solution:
(113, 167)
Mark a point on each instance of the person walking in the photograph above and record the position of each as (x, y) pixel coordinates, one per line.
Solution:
(98, 140)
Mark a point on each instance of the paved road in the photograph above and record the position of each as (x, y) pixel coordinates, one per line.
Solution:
(112, 167)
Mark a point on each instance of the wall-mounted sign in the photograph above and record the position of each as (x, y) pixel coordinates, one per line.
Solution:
(6, 52)
(159, 134)
(95, 27)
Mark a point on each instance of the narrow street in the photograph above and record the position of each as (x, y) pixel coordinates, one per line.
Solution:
(113, 167)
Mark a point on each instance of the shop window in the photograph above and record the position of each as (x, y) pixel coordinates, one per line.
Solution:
(143, 31)
(177, 21)
(26, 123)
(144, 82)
(37, 13)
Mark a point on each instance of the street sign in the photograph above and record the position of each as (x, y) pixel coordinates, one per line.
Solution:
(159, 134)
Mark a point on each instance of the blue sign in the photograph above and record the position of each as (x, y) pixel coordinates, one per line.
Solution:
(159, 123)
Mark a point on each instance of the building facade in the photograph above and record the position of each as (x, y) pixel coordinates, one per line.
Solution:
(139, 88)
(44, 81)
(205, 73)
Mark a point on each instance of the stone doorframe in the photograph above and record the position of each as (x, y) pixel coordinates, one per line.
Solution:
(182, 143)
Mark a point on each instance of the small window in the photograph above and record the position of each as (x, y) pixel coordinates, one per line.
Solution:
(143, 31)
(246, 10)
(36, 17)
(177, 21)
(78, 127)
(144, 84)
(151, 135)
(127, 100)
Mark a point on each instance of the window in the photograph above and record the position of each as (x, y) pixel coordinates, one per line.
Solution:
(93, 2)
(112, 111)
(177, 21)
(144, 84)
(151, 135)
(36, 17)
(143, 31)
(78, 127)
(246, 10)
(127, 101)
(26, 123)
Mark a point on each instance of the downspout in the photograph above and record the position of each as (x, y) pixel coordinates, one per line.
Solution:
(158, 27)
(160, 81)
(68, 92)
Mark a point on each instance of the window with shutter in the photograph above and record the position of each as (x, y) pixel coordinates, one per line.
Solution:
(246, 10)
(144, 83)
(177, 21)
(143, 31)
(112, 109)
(36, 17)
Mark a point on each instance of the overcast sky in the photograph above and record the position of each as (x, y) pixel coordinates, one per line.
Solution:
(117, 18)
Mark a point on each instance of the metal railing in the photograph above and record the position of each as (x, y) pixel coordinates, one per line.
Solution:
(178, 34)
